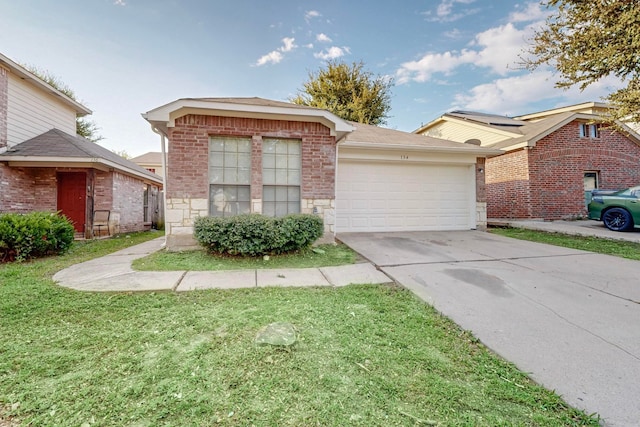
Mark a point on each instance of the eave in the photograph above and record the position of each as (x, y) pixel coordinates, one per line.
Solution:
(76, 162)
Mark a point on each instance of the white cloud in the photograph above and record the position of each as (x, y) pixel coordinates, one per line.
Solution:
(530, 13)
(511, 95)
(119, 3)
(497, 48)
(323, 38)
(310, 14)
(275, 56)
(288, 44)
(332, 53)
(444, 12)
(272, 57)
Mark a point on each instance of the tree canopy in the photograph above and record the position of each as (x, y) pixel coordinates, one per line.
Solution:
(587, 41)
(84, 127)
(348, 91)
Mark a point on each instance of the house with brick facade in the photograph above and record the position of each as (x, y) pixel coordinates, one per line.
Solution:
(551, 159)
(226, 156)
(45, 166)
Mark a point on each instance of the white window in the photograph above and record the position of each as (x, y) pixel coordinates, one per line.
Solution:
(589, 130)
(281, 167)
(229, 176)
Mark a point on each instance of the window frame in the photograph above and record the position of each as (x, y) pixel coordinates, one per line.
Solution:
(590, 130)
(285, 167)
(222, 184)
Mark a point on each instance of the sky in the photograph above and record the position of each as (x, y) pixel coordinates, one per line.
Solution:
(123, 58)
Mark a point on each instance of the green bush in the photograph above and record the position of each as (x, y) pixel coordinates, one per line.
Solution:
(254, 234)
(36, 234)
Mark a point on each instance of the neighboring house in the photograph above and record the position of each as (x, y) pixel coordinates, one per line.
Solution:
(151, 161)
(45, 166)
(227, 156)
(552, 159)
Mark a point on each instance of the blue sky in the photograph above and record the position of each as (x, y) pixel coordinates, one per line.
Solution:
(126, 57)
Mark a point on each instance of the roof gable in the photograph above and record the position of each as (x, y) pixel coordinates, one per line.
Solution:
(164, 117)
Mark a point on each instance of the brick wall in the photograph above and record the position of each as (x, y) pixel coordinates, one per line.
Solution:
(558, 162)
(187, 189)
(507, 185)
(128, 210)
(17, 194)
(4, 102)
(547, 181)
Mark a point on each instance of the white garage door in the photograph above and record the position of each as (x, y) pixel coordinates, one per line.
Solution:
(404, 197)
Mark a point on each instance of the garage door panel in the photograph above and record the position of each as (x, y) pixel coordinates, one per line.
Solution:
(401, 196)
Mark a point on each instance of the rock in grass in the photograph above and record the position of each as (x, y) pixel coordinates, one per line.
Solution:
(280, 334)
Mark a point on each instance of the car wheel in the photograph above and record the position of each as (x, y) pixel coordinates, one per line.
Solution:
(617, 219)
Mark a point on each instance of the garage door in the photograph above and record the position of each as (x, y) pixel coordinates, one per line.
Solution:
(404, 197)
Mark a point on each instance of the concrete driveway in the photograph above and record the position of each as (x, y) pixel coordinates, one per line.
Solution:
(571, 319)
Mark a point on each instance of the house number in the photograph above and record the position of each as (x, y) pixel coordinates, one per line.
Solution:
(403, 157)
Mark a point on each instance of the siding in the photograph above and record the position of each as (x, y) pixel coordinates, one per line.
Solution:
(461, 133)
(32, 112)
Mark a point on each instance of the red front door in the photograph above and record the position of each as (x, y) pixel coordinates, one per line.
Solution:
(72, 197)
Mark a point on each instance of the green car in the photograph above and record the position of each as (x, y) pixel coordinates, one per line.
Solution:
(619, 210)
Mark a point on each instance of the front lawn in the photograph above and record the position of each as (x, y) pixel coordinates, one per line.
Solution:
(200, 260)
(624, 249)
(366, 356)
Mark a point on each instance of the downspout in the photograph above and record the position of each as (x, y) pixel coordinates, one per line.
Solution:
(164, 179)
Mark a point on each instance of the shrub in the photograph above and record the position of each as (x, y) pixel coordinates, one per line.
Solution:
(255, 234)
(298, 231)
(36, 234)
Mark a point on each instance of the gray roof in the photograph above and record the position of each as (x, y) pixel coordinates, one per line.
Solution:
(489, 119)
(58, 144)
(364, 133)
(255, 101)
(152, 157)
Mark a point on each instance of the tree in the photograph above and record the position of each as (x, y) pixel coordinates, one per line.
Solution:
(84, 127)
(589, 40)
(349, 92)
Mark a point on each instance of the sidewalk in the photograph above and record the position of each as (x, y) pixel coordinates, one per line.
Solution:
(113, 273)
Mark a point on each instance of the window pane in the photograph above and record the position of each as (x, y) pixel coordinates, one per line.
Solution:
(268, 146)
(268, 161)
(269, 176)
(244, 176)
(230, 175)
(293, 194)
(294, 162)
(215, 175)
(230, 159)
(268, 193)
(269, 208)
(281, 209)
(281, 194)
(281, 176)
(244, 160)
(281, 147)
(281, 161)
(293, 177)
(293, 207)
(216, 145)
(226, 200)
(216, 159)
(244, 193)
(244, 146)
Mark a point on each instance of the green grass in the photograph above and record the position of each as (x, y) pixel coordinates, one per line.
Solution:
(630, 250)
(366, 356)
(200, 260)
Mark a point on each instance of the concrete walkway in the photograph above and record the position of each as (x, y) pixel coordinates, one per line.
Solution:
(113, 273)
